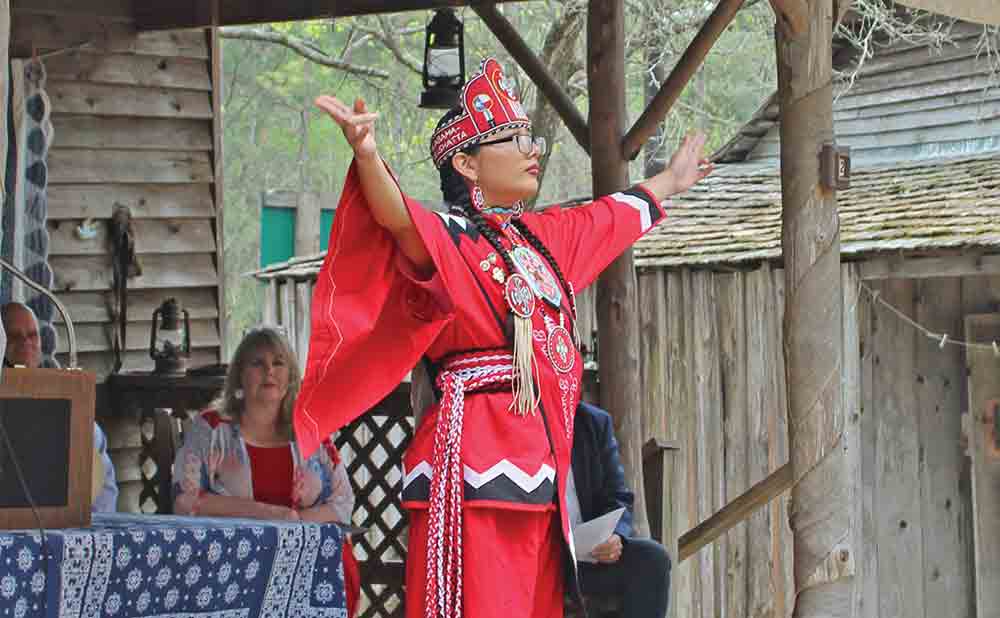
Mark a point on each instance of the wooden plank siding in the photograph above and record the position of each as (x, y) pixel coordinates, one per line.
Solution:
(915, 525)
(981, 475)
(898, 519)
(910, 103)
(946, 573)
(133, 126)
(719, 341)
(984, 393)
(108, 34)
(723, 380)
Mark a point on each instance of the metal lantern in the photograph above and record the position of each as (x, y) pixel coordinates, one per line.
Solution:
(444, 61)
(170, 338)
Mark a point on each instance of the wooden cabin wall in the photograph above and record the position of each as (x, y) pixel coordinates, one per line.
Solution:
(917, 506)
(914, 102)
(714, 383)
(133, 126)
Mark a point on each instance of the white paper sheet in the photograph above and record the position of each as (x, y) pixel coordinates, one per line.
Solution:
(590, 534)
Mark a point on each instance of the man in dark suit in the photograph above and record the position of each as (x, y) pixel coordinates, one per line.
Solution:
(637, 570)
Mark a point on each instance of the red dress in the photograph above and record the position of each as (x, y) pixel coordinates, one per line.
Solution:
(374, 318)
(271, 471)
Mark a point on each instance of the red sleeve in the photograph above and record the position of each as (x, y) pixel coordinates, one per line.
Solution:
(372, 319)
(585, 239)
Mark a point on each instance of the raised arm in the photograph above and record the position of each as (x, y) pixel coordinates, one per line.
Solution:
(586, 239)
(685, 169)
(380, 188)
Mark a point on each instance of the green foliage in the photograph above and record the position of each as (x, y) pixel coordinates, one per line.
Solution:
(274, 138)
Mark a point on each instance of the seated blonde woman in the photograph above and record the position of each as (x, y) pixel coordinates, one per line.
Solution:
(239, 457)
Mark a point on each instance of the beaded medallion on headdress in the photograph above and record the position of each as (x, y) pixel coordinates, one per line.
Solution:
(489, 105)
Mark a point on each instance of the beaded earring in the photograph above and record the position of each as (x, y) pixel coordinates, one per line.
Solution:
(478, 199)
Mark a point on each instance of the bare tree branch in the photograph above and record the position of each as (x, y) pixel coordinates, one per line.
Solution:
(672, 24)
(299, 46)
(559, 57)
(388, 36)
(356, 43)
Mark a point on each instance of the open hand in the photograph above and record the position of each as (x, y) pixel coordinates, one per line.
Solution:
(357, 123)
(609, 551)
(688, 164)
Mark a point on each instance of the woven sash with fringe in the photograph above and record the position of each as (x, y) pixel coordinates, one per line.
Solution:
(461, 374)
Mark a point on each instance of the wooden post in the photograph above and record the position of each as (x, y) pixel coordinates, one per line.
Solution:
(217, 184)
(617, 298)
(307, 224)
(820, 515)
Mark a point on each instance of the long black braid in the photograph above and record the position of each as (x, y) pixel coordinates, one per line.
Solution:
(456, 195)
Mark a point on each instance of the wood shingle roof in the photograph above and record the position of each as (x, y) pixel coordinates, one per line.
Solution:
(735, 214)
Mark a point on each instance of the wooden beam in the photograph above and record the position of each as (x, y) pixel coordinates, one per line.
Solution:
(684, 70)
(180, 14)
(658, 475)
(215, 44)
(617, 294)
(307, 223)
(822, 496)
(927, 267)
(733, 513)
(554, 93)
(792, 16)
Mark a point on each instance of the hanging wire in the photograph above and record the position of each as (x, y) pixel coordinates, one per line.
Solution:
(942, 339)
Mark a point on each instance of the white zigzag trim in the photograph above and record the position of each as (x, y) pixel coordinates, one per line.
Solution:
(423, 469)
(522, 479)
(641, 205)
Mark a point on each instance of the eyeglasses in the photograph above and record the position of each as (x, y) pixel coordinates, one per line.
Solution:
(525, 143)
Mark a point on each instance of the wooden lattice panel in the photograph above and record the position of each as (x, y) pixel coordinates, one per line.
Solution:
(372, 448)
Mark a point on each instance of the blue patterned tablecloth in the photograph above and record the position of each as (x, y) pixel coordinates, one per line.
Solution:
(143, 565)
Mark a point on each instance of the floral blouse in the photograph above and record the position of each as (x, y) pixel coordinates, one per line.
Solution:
(214, 460)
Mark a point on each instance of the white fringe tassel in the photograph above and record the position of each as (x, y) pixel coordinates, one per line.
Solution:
(524, 357)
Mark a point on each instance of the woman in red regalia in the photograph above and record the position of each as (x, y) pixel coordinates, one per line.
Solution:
(486, 294)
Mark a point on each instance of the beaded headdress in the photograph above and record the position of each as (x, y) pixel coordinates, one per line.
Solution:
(489, 105)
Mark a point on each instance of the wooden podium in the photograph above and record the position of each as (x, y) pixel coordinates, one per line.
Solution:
(48, 415)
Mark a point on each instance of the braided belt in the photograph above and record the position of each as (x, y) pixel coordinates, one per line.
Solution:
(461, 374)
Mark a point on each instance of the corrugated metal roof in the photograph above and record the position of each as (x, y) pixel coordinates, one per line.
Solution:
(735, 214)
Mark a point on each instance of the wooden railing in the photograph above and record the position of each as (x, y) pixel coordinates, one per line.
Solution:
(733, 513)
